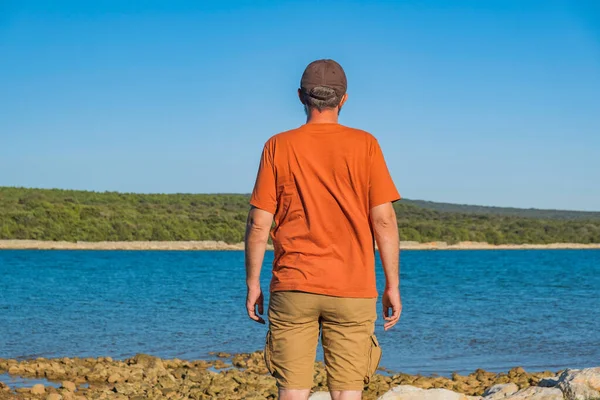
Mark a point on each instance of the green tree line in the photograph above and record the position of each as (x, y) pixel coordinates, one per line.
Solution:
(53, 214)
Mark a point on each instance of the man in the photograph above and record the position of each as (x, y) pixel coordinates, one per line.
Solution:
(329, 190)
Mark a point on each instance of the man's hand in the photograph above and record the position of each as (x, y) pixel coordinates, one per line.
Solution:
(391, 299)
(255, 299)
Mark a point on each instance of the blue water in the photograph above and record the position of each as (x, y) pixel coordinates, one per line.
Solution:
(462, 309)
(15, 381)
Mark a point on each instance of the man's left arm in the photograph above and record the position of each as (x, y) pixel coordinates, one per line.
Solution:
(258, 227)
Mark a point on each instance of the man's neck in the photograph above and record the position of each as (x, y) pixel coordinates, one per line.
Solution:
(329, 116)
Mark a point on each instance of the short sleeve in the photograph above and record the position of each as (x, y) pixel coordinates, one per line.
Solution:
(381, 186)
(264, 195)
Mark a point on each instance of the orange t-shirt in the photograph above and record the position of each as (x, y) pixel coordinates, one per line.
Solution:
(320, 181)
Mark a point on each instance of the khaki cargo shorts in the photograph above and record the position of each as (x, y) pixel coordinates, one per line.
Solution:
(351, 351)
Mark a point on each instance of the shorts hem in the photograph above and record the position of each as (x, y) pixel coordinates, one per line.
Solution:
(348, 387)
(294, 387)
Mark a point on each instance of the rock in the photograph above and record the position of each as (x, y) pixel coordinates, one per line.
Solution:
(536, 393)
(406, 392)
(500, 391)
(144, 360)
(54, 396)
(14, 370)
(516, 372)
(125, 388)
(68, 385)
(253, 396)
(167, 381)
(580, 384)
(114, 378)
(548, 382)
(221, 365)
(38, 389)
(320, 396)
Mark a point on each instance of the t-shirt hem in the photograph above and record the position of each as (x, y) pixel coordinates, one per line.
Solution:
(263, 206)
(359, 294)
(385, 200)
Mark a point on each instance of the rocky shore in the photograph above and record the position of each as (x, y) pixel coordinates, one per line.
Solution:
(214, 245)
(244, 376)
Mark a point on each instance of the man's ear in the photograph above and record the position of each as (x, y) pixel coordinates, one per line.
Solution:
(301, 96)
(344, 98)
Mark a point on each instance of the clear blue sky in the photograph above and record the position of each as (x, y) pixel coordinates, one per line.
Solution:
(477, 102)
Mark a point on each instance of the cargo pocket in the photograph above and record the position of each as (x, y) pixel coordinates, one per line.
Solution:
(269, 352)
(374, 359)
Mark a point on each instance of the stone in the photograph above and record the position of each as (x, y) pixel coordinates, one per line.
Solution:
(153, 367)
(580, 384)
(218, 364)
(123, 388)
(14, 370)
(144, 360)
(68, 385)
(517, 371)
(114, 378)
(38, 389)
(500, 391)
(54, 396)
(548, 382)
(407, 392)
(320, 396)
(536, 393)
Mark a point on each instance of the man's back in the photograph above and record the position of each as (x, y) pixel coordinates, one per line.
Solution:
(320, 181)
(328, 190)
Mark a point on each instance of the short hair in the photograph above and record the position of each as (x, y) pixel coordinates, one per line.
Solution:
(321, 97)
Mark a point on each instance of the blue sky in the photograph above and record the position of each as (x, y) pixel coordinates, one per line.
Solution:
(475, 102)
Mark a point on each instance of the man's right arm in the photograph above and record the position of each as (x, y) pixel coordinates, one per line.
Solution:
(385, 229)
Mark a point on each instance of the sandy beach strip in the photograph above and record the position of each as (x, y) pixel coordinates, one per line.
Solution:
(216, 245)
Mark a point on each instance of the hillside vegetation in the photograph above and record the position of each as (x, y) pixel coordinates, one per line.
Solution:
(52, 214)
(506, 211)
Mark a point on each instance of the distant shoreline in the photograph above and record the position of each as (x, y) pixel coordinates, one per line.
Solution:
(214, 245)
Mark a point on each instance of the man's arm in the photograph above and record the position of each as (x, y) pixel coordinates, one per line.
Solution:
(385, 229)
(258, 227)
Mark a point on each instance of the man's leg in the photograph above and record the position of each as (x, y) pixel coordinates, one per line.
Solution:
(350, 348)
(346, 394)
(294, 394)
(292, 340)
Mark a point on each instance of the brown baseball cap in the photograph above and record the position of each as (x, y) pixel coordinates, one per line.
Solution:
(326, 73)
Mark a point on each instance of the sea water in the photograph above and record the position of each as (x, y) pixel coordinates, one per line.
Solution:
(463, 310)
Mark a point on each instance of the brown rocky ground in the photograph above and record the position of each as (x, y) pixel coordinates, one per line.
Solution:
(241, 376)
